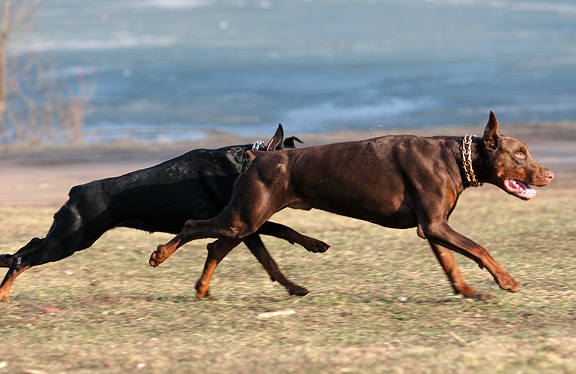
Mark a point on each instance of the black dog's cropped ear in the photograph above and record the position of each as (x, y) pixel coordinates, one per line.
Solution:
(491, 135)
(291, 142)
(276, 141)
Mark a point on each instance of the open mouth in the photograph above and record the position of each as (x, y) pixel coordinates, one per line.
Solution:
(519, 189)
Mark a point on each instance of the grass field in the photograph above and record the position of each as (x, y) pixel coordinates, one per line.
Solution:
(379, 301)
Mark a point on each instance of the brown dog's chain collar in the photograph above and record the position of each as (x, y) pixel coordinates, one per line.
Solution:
(467, 160)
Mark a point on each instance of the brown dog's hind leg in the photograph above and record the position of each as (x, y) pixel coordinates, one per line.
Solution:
(448, 263)
(225, 225)
(192, 230)
(216, 252)
(254, 243)
(162, 252)
(221, 247)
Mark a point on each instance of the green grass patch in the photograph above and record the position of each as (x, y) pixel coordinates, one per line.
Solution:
(379, 302)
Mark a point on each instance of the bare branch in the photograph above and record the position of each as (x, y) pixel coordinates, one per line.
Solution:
(42, 108)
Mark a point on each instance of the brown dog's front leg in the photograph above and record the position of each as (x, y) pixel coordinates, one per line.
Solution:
(442, 234)
(448, 263)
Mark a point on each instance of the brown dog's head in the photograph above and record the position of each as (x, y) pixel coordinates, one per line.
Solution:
(511, 166)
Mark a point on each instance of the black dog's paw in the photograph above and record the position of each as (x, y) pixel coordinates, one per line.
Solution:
(317, 247)
(297, 290)
(324, 247)
(5, 260)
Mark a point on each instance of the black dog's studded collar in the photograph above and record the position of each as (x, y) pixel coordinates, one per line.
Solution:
(466, 150)
(257, 144)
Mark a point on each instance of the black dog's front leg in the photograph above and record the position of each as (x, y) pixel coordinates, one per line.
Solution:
(254, 243)
(6, 259)
(292, 236)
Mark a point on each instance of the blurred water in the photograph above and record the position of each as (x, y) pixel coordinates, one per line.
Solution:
(174, 69)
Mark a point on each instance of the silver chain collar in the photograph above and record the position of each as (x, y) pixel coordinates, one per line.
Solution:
(466, 150)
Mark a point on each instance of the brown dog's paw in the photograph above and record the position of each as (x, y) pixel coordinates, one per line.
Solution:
(481, 296)
(514, 288)
(157, 257)
(464, 290)
(204, 296)
(202, 291)
(509, 285)
(478, 296)
(469, 293)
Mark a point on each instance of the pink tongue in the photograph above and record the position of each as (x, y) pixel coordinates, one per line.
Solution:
(519, 188)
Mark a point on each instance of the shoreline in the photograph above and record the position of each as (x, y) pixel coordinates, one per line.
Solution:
(43, 176)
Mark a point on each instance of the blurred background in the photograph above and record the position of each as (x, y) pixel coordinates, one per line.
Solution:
(171, 70)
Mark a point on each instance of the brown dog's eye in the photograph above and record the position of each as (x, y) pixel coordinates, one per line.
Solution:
(520, 155)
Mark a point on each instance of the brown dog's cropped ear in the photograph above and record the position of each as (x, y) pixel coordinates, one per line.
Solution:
(250, 156)
(276, 141)
(491, 135)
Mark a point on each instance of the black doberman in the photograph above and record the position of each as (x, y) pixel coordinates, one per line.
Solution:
(161, 198)
(394, 181)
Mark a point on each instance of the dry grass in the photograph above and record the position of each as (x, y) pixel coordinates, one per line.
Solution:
(379, 301)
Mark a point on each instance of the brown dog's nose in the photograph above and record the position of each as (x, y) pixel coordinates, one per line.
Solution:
(548, 175)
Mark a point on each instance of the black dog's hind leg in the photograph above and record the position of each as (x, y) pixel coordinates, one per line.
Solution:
(67, 235)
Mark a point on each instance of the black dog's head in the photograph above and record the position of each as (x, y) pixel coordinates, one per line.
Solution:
(278, 142)
(511, 166)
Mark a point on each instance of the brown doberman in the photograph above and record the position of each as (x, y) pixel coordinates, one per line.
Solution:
(160, 198)
(399, 181)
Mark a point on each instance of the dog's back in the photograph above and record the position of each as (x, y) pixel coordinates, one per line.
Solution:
(196, 184)
(370, 179)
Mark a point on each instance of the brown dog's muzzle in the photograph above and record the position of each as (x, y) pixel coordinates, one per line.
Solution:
(548, 176)
(543, 178)
(521, 188)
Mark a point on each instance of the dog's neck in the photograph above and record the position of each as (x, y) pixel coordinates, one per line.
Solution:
(468, 155)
